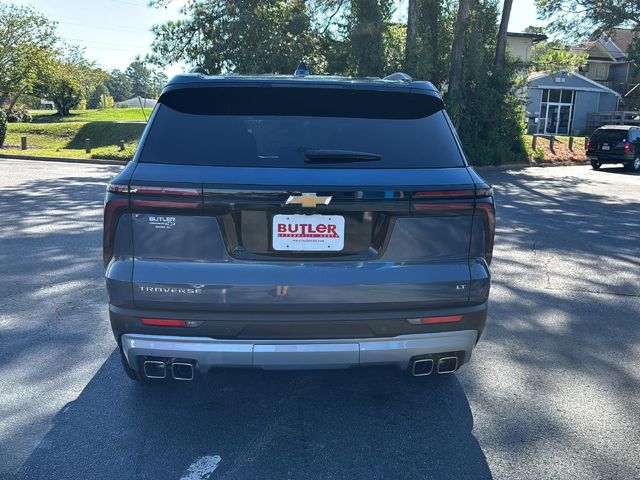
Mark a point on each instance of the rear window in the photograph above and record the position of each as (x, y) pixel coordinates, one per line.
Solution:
(609, 135)
(300, 127)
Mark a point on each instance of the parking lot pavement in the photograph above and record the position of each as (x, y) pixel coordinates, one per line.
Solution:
(552, 390)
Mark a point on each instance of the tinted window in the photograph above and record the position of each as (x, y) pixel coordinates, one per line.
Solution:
(278, 127)
(609, 136)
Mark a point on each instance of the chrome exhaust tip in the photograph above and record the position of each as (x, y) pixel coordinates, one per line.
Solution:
(422, 367)
(182, 371)
(155, 369)
(447, 365)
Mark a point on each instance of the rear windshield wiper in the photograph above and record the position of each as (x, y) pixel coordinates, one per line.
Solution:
(340, 156)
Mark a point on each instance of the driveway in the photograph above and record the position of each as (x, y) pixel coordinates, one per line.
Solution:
(552, 390)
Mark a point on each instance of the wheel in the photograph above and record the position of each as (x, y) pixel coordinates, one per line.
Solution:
(131, 373)
(595, 165)
(633, 166)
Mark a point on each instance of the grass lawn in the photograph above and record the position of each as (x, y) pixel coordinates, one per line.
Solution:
(66, 138)
(109, 115)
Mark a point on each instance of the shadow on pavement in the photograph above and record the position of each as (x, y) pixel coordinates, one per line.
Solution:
(365, 423)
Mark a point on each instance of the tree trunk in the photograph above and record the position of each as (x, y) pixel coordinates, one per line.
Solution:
(410, 60)
(12, 101)
(431, 14)
(457, 53)
(501, 46)
(366, 37)
(61, 108)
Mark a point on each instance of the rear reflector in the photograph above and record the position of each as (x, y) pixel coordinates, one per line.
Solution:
(432, 320)
(170, 191)
(162, 322)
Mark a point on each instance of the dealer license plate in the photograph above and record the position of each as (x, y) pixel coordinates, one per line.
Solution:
(308, 232)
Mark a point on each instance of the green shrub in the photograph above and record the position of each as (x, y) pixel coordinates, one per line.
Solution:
(538, 154)
(3, 127)
(19, 115)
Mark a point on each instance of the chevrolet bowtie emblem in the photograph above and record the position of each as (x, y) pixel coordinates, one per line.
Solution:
(308, 200)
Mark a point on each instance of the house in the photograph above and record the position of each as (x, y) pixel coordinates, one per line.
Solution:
(558, 103)
(520, 45)
(608, 64)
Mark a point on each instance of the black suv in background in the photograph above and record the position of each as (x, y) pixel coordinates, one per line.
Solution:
(615, 144)
(283, 222)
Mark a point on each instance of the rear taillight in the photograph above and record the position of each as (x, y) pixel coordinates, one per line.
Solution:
(485, 208)
(627, 147)
(155, 197)
(442, 202)
(587, 145)
(115, 204)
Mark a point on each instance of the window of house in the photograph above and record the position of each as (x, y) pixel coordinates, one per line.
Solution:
(599, 71)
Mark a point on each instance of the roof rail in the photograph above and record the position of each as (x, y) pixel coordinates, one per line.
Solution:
(403, 77)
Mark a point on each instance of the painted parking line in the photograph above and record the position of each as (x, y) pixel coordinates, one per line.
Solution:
(202, 468)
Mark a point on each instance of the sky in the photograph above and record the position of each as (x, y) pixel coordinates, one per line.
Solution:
(113, 32)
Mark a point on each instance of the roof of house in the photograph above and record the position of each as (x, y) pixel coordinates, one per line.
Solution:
(623, 37)
(536, 37)
(598, 50)
(593, 84)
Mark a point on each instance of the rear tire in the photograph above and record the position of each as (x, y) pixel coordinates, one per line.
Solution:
(131, 373)
(633, 166)
(595, 165)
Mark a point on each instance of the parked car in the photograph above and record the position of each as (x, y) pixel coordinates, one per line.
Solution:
(297, 222)
(615, 144)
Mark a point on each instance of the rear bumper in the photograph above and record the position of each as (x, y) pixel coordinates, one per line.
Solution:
(610, 158)
(208, 353)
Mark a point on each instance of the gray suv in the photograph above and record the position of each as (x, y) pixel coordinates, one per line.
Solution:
(297, 222)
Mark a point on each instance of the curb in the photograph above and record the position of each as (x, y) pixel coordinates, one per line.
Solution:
(521, 166)
(95, 161)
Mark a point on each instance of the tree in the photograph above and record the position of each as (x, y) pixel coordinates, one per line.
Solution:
(119, 85)
(3, 126)
(139, 77)
(554, 57)
(97, 96)
(501, 47)
(412, 37)
(435, 36)
(27, 41)
(68, 78)
(366, 36)
(241, 36)
(454, 93)
(394, 45)
(579, 19)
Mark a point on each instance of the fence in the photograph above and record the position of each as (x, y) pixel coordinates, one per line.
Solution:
(598, 119)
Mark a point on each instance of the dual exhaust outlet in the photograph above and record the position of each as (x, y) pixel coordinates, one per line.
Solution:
(180, 370)
(425, 366)
(184, 370)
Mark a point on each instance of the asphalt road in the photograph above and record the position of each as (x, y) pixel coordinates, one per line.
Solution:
(553, 390)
